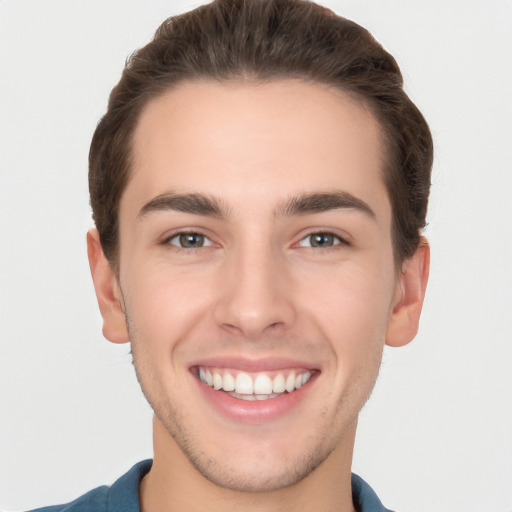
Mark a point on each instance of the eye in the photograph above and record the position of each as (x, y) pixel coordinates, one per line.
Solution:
(189, 240)
(321, 240)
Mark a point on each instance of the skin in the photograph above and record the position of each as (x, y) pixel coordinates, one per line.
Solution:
(257, 288)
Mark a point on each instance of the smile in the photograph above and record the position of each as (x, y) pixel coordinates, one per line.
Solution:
(256, 386)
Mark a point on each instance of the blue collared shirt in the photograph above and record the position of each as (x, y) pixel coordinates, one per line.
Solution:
(123, 495)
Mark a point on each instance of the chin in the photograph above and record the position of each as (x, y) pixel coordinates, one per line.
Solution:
(255, 472)
(250, 462)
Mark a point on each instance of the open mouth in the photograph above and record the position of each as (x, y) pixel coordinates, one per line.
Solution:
(254, 386)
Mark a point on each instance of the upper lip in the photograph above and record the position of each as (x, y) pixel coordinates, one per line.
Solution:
(253, 365)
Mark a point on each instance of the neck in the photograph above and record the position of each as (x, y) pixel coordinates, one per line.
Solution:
(174, 484)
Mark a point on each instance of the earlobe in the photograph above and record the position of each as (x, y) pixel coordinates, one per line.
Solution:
(107, 290)
(405, 316)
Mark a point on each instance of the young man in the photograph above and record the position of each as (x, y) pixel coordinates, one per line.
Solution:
(259, 184)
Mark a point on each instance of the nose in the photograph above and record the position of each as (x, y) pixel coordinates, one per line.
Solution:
(255, 294)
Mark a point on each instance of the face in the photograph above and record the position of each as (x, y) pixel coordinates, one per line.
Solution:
(256, 274)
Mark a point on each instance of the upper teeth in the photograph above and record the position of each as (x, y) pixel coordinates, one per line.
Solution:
(259, 384)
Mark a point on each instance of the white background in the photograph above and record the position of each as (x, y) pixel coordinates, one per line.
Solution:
(437, 433)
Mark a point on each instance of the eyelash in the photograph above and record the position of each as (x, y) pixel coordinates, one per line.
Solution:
(181, 234)
(336, 240)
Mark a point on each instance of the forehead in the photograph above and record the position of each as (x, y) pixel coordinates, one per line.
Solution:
(255, 143)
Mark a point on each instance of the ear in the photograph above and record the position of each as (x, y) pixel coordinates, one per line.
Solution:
(411, 286)
(108, 292)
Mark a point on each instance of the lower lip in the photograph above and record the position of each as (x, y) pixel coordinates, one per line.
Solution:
(254, 411)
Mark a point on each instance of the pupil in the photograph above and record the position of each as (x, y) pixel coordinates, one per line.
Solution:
(321, 240)
(191, 240)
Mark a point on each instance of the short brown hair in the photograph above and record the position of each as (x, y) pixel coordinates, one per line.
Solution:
(266, 40)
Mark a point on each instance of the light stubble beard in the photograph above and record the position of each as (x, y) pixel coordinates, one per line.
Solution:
(319, 446)
(222, 474)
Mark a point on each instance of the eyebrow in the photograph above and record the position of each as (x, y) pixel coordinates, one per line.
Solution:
(324, 201)
(200, 204)
(197, 204)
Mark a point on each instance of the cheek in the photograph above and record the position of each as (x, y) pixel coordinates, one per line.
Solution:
(162, 308)
(351, 307)
(166, 302)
